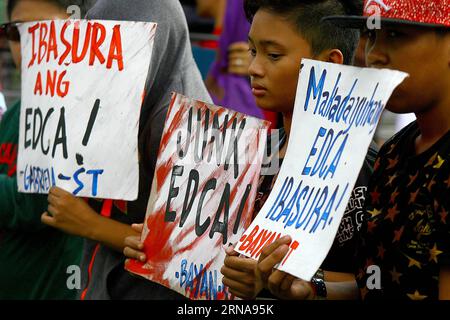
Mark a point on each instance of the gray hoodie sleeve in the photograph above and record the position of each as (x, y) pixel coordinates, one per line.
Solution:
(172, 69)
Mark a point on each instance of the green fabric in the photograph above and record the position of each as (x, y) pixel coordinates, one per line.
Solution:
(2, 10)
(33, 258)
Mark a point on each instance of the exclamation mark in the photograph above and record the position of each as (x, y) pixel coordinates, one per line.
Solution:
(88, 132)
(91, 122)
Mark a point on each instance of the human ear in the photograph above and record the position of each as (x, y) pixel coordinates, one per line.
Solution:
(332, 56)
(335, 56)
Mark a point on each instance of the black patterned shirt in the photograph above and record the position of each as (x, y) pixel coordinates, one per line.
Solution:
(407, 231)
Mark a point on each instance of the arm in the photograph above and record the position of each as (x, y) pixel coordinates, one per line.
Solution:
(342, 290)
(443, 239)
(74, 216)
(444, 283)
(19, 211)
(331, 276)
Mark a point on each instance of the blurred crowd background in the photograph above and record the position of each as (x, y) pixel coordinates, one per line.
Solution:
(205, 19)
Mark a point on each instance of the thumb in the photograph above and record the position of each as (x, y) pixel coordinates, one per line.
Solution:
(231, 252)
(138, 227)
(47, 219)
(238, 46)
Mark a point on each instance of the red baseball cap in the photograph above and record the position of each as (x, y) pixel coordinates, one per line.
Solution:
(427, 13)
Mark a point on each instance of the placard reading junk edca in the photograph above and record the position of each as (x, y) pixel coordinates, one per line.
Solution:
(202, 196)
(82, 90)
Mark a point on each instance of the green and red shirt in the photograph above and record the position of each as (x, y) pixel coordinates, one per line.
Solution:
(34, 258)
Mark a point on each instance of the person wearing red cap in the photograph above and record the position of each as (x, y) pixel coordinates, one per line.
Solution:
(282, 33)
(405, 242)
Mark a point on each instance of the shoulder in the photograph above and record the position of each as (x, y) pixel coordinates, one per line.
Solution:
(404, 135)
(372, 153)
(12, 112)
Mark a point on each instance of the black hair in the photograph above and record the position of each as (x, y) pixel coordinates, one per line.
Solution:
(307, 16)
(83, 4)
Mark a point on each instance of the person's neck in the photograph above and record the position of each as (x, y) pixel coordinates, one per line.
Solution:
(433, 124)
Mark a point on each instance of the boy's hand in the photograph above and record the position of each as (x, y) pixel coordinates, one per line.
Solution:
(68, 213)
(280, 284)
(239, 275)
(134, 246)
(238, 58)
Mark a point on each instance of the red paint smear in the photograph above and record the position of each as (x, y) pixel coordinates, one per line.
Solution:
(175, 124)
(179, 119)
(164, 170)
(144, 93)
(191, 228)
(161, 175)
(246, 213)
(136, 266)
(158, 247)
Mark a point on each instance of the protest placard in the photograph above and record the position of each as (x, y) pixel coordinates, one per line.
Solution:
(82, 90)
(337, 110)
(202, 196)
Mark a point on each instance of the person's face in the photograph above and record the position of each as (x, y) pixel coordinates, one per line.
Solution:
(277, 49)
(418, 51)
(33, 10)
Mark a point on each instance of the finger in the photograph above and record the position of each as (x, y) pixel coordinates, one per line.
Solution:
(243, 59)
(231, 252)
(134, 243)
(53, 190)
(240, 294)
(244, 55)
(273, 246)
(47, 219)
(238, 46)
(239, 63)
(287, 282)
(51, 209)
(266, 265)
(240, 263)
(239, 66)
(58, 192)
(133, 254)
(245, 290)
(237, 275)
(241, 71)
(52, 199)
(275, 281)
(301, 290)
(138, 227)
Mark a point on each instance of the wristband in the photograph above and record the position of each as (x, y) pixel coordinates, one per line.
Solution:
(318, 285)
